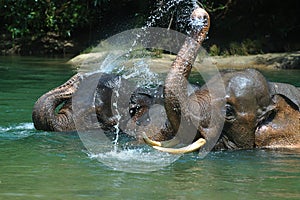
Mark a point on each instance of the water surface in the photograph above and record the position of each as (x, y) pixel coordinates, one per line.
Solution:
(46, 165)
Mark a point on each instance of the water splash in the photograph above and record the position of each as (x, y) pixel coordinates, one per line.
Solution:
(127, 57)
(142, 74)
(117, 115)
(16, 131)
(182, 8)
(183, 11)
(137, 160)
(196, 25)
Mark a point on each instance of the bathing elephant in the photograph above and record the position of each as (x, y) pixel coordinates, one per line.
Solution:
(256, 113)
(53, 111)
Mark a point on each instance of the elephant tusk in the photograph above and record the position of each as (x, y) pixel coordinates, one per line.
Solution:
(169, 143)
(151, 142)
(164, 146)
(187, 149)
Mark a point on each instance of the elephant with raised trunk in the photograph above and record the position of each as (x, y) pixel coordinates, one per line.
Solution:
(255, 112)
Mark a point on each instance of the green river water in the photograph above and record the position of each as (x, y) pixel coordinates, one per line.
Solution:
(46, 165)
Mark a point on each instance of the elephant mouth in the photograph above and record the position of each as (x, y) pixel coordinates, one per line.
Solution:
(169, 145)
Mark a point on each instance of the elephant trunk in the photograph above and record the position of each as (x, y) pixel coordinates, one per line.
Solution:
(44, 113)
(176, 85)
(178, 102)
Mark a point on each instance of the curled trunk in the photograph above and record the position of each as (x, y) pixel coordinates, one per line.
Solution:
(44, 113)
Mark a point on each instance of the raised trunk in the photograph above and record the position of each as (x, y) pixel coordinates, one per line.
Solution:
(176, 84)
(44, 113)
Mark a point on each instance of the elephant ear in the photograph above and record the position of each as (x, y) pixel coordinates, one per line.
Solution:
(286, 90)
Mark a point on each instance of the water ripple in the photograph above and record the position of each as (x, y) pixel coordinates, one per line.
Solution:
(17, 131)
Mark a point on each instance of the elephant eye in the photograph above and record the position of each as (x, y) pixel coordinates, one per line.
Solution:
(230, 113)
(133, 110)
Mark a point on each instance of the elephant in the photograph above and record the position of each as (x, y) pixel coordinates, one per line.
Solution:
(256, 113)
(53, 111)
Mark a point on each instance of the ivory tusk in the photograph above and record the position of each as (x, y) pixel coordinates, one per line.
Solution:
(150, 142)
(169, 143)
(187, 149)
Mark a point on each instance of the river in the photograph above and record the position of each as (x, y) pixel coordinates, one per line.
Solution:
(48, 165)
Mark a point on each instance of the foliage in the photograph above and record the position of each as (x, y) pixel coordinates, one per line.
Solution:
(214, 50)
(237, 26)
(246, 47)
(23, 18)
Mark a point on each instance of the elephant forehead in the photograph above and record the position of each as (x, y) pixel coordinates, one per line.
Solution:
(248, 91)
(241, 86)
(241, 92)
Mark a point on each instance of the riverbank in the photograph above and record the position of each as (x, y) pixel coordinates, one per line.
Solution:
(85, 62)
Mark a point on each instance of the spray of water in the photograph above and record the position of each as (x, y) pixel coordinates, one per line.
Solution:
(117, 154)
(182, 8)
(126, 59)
(117, 116)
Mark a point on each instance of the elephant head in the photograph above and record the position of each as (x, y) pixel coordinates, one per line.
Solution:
(260, 113)
(248, 103)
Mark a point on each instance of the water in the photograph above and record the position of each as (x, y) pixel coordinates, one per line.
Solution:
(45, 165)
(172, 13)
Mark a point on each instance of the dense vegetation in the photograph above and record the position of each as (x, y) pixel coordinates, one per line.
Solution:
(63, 26)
